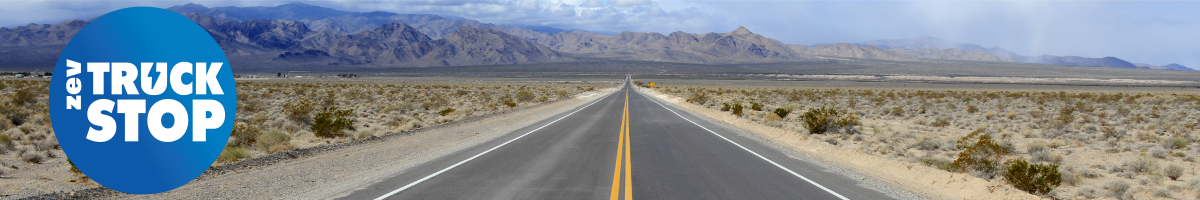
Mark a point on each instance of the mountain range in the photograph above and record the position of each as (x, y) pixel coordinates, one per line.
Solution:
(301, 33)
(931, 42)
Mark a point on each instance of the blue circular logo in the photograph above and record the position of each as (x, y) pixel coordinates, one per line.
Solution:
(142, 100)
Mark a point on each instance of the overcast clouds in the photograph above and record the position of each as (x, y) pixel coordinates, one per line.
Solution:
(1149, 32)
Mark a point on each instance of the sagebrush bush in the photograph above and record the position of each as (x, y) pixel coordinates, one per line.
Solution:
(330, 122)
(1142, 165)
(756, 106)
(822, 120)
(510, 103)
(1036, 179)
(1117, 187)
(273, 137)
(1173, 171)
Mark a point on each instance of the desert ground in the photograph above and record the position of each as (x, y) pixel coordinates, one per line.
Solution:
(275, 116)
(962, 141)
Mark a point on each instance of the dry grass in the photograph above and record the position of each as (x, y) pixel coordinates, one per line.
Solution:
(1100, 140)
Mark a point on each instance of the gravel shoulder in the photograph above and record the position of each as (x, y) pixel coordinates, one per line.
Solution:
(902, 179)
(334, 172)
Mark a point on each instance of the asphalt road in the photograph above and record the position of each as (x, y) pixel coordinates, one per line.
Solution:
(620, 146)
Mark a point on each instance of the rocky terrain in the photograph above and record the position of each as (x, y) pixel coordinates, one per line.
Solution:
(738, 46)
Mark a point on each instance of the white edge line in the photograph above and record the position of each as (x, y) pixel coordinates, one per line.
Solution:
(744, 148)
(484, 152)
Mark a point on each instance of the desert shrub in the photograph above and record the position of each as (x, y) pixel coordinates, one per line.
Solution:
(1036, 179)
(510, 103)
(737, 109)
(726, 108)
(1117, 187)
(782, 113)
(24, 96)
(935, 162)
(1142, 165)
(972, 109)
(331, 121)
(1175, 143)
(445, 112)
(299, 111)
(981, 158)
(824, 120)
(698, 97)
(33, 157)
(927, 143)
(1173, 171)
(543, 98)
(756, 106)
(897, 111)
(231, 154)
(6, 143)
(244, 135)
(524, 95)
(940, 122)
(1112, 132)
(273, 137)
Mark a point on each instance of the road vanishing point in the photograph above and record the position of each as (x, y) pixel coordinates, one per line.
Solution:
(625, 145)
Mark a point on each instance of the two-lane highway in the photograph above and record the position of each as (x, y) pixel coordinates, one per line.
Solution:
(660, 153)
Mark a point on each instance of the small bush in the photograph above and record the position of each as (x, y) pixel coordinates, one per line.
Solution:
(1036, 179)
(726, 108)
(824, 120)
(737, 109)
(6, 143)
(756, 106)
(1175, 143)
(525, 96)
(445, 112)
(698, 97)
(972, 109)
(273, 137)
(982, 158)
(331, 121)
(33, 157)
(935, 162)
(782, 113)
(1142, 165)
(940, 122)
(299, 111)
(1173, 171)
(244, 135)
(231, 154)
(510, 103)
(1118, 188)
(927, 143)
(24, 96)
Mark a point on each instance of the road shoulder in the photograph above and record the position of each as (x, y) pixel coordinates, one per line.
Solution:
(902, 179)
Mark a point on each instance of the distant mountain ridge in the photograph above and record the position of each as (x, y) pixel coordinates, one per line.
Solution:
(302, 33)
(931, 42)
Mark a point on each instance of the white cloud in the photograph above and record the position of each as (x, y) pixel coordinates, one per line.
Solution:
(629, 2)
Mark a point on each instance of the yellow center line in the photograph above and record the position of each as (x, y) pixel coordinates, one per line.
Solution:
(623, 147)
(628, 171)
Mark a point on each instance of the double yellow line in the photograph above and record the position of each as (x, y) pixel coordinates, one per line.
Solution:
(623, 144)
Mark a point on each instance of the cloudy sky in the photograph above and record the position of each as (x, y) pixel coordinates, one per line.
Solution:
(1153, 32)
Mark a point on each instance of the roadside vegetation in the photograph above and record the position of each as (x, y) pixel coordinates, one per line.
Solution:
(275, 116)
(1062, 145)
